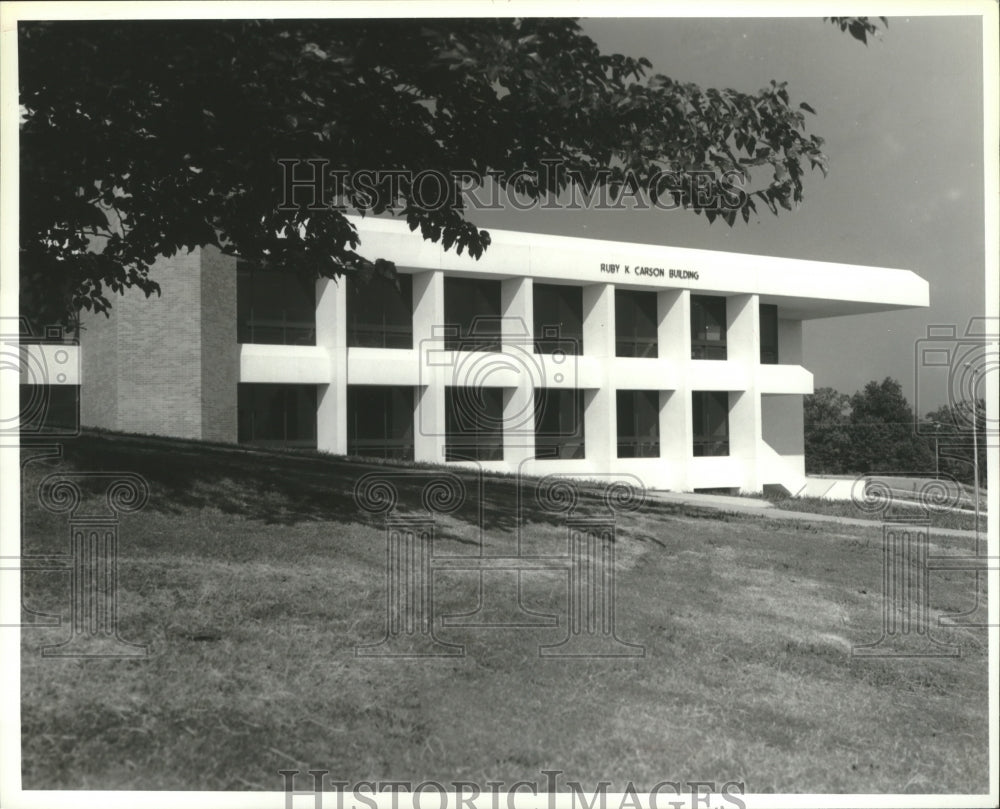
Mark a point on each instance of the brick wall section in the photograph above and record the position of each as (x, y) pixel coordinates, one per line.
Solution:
(168, 364)
(98, 370)
(220, 363)
(159, 353)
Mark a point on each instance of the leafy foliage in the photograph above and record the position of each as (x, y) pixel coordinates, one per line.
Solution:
(141, 139)
(951, 427)
(859, 27)
(883, 431)
(875, 430)
(826, 420)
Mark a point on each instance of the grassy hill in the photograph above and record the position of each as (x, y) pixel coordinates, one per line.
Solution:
(251, 577)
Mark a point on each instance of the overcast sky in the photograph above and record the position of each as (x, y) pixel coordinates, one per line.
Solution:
(903, 123)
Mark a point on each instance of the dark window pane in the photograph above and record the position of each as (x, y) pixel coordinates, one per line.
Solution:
(708, 327)
(638, 414)
(472, 314)
(276, 308)
(559, 423)
(380, 421)
(768, 334)
(380, 313)
(558, 314)
(49, 409)
(277, 415)
(710, 416)
(474, 424)
(635, 324)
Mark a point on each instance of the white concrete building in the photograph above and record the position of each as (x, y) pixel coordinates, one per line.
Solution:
(547, 355)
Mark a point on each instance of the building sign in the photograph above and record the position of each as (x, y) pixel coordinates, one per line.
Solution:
(642, 271)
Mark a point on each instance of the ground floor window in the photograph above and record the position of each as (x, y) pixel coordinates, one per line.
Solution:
(380, 421)
(638, 423)
(710, 413)
(474, 424)
(49, 409)
(559, 423)
(277, 415)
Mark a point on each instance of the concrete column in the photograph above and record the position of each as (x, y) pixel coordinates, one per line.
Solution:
(674, 338)
(600, 412)
(517, 309)
(428, 339)
(745, 418)
(331, 334)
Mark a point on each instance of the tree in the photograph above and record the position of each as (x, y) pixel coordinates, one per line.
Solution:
(826, 420)
(140, 139)
(883, 432)
(951, 426)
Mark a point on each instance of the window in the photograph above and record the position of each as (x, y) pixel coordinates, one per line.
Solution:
(559, 423)
(635, 324)
(474, 424)
(558, 318)
(380, 421)
(768, 334)
(380, 312)
(49, 409)
(273, 307)
(708, 327)
(472, 313)
(638, 423)
(277, 415)
(710, 414)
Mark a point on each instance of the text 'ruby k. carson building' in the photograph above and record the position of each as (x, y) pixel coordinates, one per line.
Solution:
(549, 354)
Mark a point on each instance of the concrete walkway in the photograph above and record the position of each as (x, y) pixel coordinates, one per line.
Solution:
(762, 508)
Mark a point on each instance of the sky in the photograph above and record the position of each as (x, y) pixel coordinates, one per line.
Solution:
(903, 123)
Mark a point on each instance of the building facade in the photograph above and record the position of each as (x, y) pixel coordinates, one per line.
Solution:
(548, 355)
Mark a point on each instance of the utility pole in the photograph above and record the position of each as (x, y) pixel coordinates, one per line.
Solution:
(937, 464)
(975, 443)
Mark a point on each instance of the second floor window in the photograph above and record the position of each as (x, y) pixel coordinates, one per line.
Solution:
(274, 307)
(380, 312)
(635, 324)
(708, 327)
(768, 334)
(558, 312)
(472, 314)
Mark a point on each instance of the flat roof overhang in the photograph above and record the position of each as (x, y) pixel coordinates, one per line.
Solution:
(802, 289)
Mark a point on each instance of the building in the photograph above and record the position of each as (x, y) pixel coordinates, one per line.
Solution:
(549, 354)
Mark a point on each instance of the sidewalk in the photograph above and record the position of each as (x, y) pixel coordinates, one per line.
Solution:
(762, 508)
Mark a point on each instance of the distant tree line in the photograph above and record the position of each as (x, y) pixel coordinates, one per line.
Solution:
(876, 430)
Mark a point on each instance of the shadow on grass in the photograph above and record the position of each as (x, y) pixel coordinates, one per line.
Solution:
(290, 487)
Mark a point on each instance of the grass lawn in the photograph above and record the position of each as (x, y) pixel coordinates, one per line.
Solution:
(845, 508)
(252, 577)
